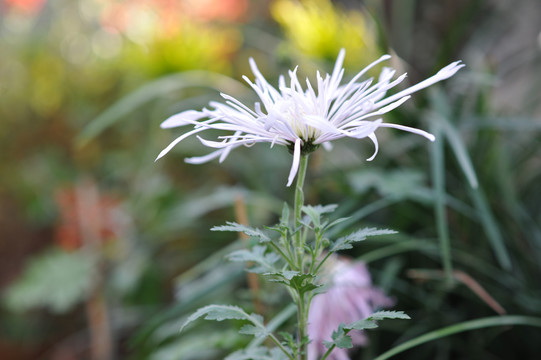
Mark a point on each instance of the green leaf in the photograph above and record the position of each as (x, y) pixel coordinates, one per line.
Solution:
(148, 92)
(510, 320)
(370, 322)
(490, 225)
(460, 152)
(294, 279)
(256, 255)
(284, 219)
(437, 160)
(363, 325)
(257, 353)
(254, 330)
(225, 312)
(399, 184)
(345, 242)
(250, 231)
(315, 212)
(56, 279)
(340, 338)
(287, 275)
(381, 315)
(336, 222)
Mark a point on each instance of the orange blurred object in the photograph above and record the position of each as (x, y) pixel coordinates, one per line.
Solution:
(209, 10)
(86, 217)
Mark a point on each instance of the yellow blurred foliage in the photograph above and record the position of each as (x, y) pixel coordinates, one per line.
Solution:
(318, 29)
(190, 46)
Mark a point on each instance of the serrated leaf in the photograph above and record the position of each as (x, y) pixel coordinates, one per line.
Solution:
(340, 338)
(315, 212)
(294, 279)
(363, 325)
(303, 282)
(224, 312)
(256, 255)
(287, 275)
(380, 315)
(371, 321)
(257, 353)
(345, 242)
(250, 231)
(254, 330)
(284, 219)
(336, 222)
(55, 279)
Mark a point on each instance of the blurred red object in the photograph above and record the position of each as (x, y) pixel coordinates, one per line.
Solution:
(87, 217)
(171, 13)
(25, 6)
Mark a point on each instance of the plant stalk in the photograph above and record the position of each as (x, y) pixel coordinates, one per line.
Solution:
(299, 202)
(302, 305)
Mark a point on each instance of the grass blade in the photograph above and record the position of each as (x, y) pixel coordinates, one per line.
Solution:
(491, 228)
(461, 327)
(146, 93)
(437, 161)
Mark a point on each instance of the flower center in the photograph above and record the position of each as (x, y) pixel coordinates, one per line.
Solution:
(306, 148)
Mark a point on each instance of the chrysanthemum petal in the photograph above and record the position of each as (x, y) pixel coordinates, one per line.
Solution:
(296, 162)
(427, 135)
(443, 74)
(176, 141)
(197, 160)
(183, 118)
(376, 145)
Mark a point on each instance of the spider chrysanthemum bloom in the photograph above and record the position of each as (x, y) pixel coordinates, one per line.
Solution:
(303, 118)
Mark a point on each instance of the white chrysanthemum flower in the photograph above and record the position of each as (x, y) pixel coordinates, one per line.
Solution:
(302, 119)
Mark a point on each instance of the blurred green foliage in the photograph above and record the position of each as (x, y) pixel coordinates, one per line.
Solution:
(85, 84)
(56, 280)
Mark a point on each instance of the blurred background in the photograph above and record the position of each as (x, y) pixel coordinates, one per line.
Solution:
(104, 252)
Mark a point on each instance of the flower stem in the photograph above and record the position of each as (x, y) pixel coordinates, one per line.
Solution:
(302, 305)
(302, 323)
(299, 202)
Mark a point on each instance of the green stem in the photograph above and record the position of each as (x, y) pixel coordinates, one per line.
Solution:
(322, 262)
(302, 306)
(299, 202)
(283, 255)
(284, 350)
(328, 352)
(302, 320)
